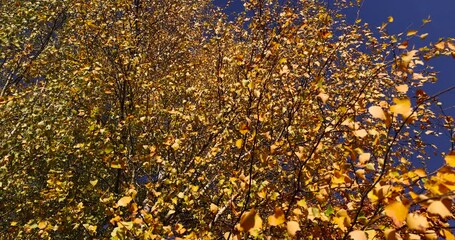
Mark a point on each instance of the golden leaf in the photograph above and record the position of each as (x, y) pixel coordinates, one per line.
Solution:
(402, 106)
(441, 208)
(377, 112)
(364, 157)
(397, 211)
(358, 235)
(239, 143)
(324, 97)
(250, 222)
(390, 19)
(42, 224)
(94, 182)
(451, 46)
(450, 159)
(407, 58)
(124, 201)
(417, 222)
(360, 133)
(342, 219)
(213, 208)
(244, 129)
(391, 234)
(447, 234)
(277, 218)
(440, 45)
(292, 227)
(411, 33)
(403, 88)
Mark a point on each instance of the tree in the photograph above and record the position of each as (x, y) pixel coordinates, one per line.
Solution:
(156, 119)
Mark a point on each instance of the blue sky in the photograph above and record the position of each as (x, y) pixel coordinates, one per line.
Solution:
(408, 15)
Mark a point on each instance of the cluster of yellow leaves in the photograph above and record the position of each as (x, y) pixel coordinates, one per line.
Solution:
(157, 119)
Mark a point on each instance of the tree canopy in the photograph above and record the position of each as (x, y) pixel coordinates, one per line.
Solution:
(167, 119)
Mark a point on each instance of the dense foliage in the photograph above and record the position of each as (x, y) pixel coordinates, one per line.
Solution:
(151, 119)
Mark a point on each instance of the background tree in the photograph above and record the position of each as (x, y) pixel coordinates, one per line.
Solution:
(155, 119)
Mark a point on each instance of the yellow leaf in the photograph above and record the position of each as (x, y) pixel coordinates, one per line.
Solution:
(403, 88)
(176, 144)
(116, 165)
(324, 97)
(42, 224)
(124, 201)
(407, 58)
(94, 182)
(417, 222)
(181, 195)
(361, 133)
(232, 236)
(431, 235)
(239, 143)
(423, 36)
(450, 159)
(277, 218)
(377, 112)
(397, 211)
(372, 234)
(194, 188)
(391, 234)
(364, 157)
(411, 33)
(440, 45)
(342, 219)
(213, 208)
(447, 234)
(360, 173)
(390, 19)
(451, 45)
(292, 227)
(358, 235)
(402, 106)
(244, 129)
(92, 228)
(441, 208)
(250, 222)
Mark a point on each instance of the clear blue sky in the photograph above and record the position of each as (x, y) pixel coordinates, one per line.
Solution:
(408, 15)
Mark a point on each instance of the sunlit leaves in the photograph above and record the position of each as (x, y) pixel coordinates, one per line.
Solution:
(441, 208)
(358, 235)
(411, 33)
(450, 159)
(213, 208)
(377, 112)
(292, 227)
(402, 106)
(277, 218)
(440, 45)
(407, 58)
(169, 120)
(250, 222)
(124, 201)
(342, 219)
(397, 211)
(417, 222)
(403, 88)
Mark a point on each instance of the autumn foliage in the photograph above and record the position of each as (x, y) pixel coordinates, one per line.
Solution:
(166, 119)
